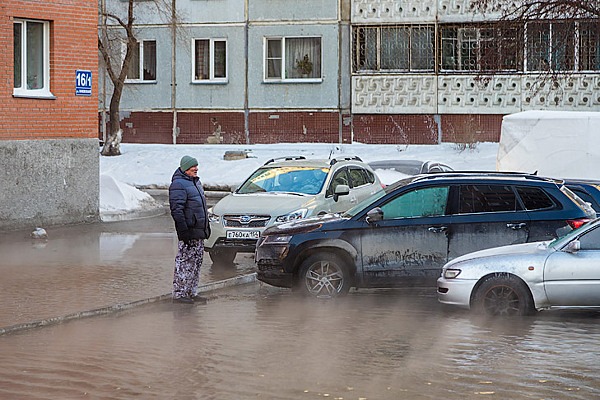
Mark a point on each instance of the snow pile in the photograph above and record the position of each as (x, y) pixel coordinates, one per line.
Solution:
(118, 196)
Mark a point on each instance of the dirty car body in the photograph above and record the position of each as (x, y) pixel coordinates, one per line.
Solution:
(283, 190)
(405, 234)
(520, 279)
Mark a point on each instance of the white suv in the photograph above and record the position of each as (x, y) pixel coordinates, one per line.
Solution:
(282, 190)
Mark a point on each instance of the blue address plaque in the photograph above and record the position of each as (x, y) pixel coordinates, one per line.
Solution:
(83, 83)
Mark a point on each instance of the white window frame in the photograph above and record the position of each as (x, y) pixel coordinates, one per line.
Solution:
(283, 60)
(211, 78)
(141, 62)
(44, 91)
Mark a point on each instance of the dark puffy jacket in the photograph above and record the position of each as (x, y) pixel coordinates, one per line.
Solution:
(188, 207)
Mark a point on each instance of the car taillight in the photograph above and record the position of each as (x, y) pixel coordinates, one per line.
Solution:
(576, 223)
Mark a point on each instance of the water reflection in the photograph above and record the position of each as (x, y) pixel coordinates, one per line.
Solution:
(256, 341)
(84, 267)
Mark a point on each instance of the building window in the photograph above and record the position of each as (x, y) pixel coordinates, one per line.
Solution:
(293, 58)
(589, 46)
(480, 48)
(394, 48)
(550, 46)
(31, 58)
(142, 66)
(210, 60)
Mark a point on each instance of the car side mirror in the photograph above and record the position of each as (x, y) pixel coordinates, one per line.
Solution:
(573, 246)
(374, 215)
(340, 190)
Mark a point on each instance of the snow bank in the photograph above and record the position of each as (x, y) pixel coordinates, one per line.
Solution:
(117, 196)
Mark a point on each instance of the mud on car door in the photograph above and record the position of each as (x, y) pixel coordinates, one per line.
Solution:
(409, 244)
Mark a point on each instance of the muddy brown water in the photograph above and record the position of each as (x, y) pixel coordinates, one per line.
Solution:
(259, 342)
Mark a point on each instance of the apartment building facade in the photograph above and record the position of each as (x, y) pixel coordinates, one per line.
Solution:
(243, 71)
(340, 71)
(433, 71)
(48, 113)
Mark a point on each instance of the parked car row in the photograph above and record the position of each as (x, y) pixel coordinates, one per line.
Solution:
(404, 234)
(283, 190)
(323, 226)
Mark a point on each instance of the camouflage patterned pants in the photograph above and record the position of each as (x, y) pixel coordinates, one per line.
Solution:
(187, 268)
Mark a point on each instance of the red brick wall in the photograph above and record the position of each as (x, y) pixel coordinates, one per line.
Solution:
(294, 127)
(395, 129)
(73, 46)
(291, 127)
(468, 128)
(305, 127)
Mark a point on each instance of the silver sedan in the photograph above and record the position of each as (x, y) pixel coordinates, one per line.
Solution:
(520, 279)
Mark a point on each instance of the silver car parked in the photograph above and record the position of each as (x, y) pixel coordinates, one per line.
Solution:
(520, 279)
(284, 190)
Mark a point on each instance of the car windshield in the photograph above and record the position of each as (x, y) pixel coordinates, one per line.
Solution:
(376, 196)
(289, 179)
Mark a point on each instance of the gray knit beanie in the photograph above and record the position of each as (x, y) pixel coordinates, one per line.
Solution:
(187, 162)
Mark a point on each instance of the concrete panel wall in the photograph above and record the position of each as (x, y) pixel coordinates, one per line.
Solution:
(48, 182)
(294, 95)
(283, 10)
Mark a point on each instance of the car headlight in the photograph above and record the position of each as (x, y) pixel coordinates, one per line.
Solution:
(451, 273)
(214, 218)
(277, 239)
(294, 215)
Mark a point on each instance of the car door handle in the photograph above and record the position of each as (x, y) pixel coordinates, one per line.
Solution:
(437, 229)
(518, 226)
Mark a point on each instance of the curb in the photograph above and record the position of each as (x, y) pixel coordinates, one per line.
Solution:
(127, 215)
(208, 287)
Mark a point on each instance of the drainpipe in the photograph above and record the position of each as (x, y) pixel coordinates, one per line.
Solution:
(246, 111)
(174, 69)
(103, 27)
(339, 73)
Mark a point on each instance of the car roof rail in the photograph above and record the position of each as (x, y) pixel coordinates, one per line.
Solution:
(344, 158)
(504, 174)
(285, 158)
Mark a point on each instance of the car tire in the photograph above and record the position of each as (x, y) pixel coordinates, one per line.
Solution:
(503, 295)
(324, 275)
(222, 257)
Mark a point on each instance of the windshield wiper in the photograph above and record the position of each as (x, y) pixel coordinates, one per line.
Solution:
(294, 193)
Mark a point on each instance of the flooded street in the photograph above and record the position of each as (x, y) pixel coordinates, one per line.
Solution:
(258, 342)
(89, 266)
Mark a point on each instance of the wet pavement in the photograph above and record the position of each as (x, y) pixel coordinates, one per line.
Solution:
(254, 341)
(90, 266)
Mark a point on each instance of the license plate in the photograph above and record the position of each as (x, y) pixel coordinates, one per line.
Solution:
(243, 234)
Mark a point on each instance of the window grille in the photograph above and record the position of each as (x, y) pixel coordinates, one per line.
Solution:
(393, 48)
(483, 47)
(550, 45)
(589, 46)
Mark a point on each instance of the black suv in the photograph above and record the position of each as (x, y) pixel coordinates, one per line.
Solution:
(404, 234)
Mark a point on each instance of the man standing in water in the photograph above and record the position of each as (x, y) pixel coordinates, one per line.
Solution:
(188, 209)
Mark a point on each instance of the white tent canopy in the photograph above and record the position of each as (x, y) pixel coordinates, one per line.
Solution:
(560, 144)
